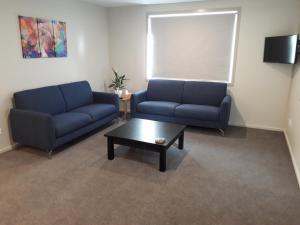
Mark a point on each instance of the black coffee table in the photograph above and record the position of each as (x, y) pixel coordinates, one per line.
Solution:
(140, 133)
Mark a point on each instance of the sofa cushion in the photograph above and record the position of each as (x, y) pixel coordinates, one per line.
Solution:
(199, 112)
(157, 107)
(68, 122)
(97, 111)
(165, 90)
(45, 100)
(204, 93)
(77, 94)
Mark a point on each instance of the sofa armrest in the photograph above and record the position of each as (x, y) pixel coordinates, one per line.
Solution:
(108, 98)
(32, 128)
(136, 98)
(225, 111)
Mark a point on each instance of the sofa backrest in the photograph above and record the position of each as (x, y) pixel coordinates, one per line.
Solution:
(46, 100)
(165, 90)
(77, 94)
(204, 93)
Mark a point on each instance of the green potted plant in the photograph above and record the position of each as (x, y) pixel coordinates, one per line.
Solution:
(118, 83)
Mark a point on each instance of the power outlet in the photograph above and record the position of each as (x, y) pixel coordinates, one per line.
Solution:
(0, 131)
(290, 123)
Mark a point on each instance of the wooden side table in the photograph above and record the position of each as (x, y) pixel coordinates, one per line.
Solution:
(125, 100)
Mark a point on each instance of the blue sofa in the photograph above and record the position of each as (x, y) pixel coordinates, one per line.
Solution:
(195, 103)
(48, 117)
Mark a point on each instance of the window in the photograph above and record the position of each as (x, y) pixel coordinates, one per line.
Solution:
(192, 46)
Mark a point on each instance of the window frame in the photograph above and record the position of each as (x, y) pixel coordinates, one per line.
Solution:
(234, 43)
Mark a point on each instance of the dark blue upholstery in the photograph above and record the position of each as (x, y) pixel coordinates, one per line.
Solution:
(157, 107)
(97, 111)
(204, 93)
(180, 120)
(197, 103)
(200, 112)
(225, 111)
(46, 100)
(108, 98)
(137, 98)
(77, 94)
(67, 122)
(84, 130)
(165, 90)
(48, 117)
(35, 129)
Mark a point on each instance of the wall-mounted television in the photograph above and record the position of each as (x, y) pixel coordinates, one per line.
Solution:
(281, 49)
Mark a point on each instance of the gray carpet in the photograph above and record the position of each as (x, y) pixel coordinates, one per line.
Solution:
(245, 178)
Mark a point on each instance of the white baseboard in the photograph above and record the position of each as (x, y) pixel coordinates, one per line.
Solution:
(8, 148)
(296, 168)
(261, 127)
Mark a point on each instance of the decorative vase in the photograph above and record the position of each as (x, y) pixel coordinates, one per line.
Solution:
(119, 92)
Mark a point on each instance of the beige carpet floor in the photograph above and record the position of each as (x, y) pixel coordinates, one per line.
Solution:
(245, 178)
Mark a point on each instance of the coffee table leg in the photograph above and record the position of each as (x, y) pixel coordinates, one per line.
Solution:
(162, 160)
(181, 141)
(110, 148)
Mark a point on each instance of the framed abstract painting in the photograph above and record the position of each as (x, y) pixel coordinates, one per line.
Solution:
(60, 36)
(46, 38)
(43, 38)
(29, 37)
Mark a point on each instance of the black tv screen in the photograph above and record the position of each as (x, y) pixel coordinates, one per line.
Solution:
(281, 49)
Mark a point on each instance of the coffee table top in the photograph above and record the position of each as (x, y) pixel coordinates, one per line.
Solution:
(147, 131)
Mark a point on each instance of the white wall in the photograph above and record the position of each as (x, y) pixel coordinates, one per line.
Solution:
(292, 126)
(293, 130)
(87, 45)
(260, 90)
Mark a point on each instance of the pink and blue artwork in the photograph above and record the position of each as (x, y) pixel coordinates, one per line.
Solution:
(46, 38)
(29, 37)
(60, 37)
(43, 38)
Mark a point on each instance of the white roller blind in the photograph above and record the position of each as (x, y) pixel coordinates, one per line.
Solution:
(192, 45)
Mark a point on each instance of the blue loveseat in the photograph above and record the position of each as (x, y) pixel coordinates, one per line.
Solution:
(194, 103)
(49, 117)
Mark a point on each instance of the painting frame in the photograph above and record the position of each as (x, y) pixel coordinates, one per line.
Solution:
(46, 38)
(60, 37)
(29, 37)
(43, 38)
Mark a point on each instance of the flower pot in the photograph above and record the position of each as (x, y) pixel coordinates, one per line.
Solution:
(119, 92)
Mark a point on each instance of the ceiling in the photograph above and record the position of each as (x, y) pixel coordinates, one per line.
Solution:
(116, 3)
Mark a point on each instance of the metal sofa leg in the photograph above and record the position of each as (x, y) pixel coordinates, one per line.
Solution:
(50, 154)
(222, 132)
